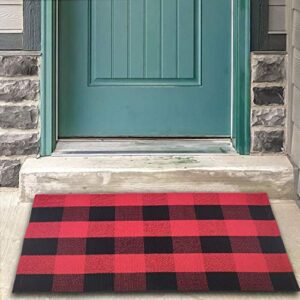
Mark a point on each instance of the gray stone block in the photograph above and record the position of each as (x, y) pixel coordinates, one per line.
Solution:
(18, 65)
(18, 90)
(268, 68)
(20, 117)
(9, 173)
(19, 144)
(268, 141)
(268, 117)
(268, 95)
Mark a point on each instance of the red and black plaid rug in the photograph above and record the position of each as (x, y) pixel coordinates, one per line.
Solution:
(153, 242)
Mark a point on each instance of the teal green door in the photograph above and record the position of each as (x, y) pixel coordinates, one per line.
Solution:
(144, 68)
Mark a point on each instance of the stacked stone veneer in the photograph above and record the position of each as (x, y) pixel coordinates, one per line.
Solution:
(19, 114)
(268, 103)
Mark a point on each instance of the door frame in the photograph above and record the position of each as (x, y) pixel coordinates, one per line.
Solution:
(240, 76)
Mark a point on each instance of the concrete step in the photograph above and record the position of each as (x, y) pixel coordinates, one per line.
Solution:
(113, 174)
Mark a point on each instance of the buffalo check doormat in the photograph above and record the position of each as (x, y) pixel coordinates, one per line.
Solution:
(153, 242)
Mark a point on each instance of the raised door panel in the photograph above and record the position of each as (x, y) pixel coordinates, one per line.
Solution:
(144, 42)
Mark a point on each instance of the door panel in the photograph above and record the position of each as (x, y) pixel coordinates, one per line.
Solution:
(144, 68)
(155, 39)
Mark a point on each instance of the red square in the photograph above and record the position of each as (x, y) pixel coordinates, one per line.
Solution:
(160, 263)
(129, 263)
(191, 262)
(99, 264)
(184, 227)
(128, 229)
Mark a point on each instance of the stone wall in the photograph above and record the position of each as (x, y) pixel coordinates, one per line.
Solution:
(268, 103)
(19, 114)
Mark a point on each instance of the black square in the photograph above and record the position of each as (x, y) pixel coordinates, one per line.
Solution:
(270, 244)
(33, 283)
(98, 282)
(284, 282)
(161, 281)
(160, 212)
(100, 246)
(46, 214)
(39, 246)
(102, 213)
(223, 281)
(261, 212)
(158, 245)
(209, 212)
(211, 244)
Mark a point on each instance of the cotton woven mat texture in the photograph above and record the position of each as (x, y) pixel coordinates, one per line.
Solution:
(183, 242)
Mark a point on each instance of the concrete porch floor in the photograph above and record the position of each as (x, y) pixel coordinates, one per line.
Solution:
(157, 173)
(13, 222)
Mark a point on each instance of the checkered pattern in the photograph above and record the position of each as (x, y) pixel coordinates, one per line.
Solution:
(147, 242)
